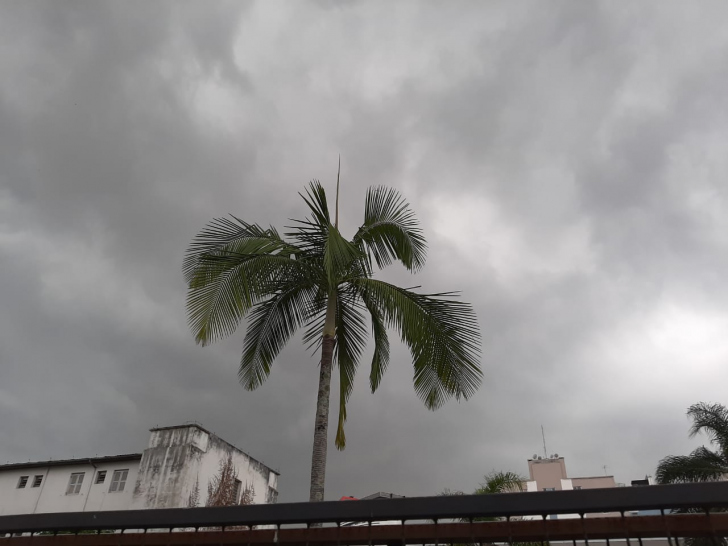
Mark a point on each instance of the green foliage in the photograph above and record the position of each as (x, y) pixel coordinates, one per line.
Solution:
(236, 270)
(702, 464)
(497, 482)
(501, 482)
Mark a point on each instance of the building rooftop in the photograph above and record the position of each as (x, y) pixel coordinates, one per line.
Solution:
(124, 457)
(199, 426)
(382, 495)
(63, 462)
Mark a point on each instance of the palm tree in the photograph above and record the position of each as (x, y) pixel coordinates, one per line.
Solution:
(496, 482)
(504, 482)
(317, 280)
(500, 482)
(702, 465)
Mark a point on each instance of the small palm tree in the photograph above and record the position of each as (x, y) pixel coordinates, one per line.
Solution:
(494, 483)
(501, 482)
(504, 482)
(317, 280)
(702, 465)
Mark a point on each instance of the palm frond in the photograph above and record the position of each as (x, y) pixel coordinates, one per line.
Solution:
(223, 236)
(500, 482)
(229, 266)
(312, 337)
(442, 335)
(341, 258)
(391, 230)
(380, 359)
(312, 232)
(702, 465)
(224, 288)
(713, 420)
(351, 338)
(272, 323)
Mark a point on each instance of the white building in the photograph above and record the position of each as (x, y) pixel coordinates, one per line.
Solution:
(178, 460)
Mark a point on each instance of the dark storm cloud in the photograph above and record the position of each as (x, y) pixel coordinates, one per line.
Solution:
(567, 163)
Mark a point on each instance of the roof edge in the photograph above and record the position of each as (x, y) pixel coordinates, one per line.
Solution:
(73, 462)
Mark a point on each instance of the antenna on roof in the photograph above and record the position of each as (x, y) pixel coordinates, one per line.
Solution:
(544, 443)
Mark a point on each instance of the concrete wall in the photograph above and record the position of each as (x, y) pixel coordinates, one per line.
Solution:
(547, 473)
(250, 471)
(167, 467)
(594, 482)
(51, 495)
(176, 459)
(179, 458)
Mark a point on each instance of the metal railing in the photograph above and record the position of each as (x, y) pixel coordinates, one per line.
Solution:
(684, 514)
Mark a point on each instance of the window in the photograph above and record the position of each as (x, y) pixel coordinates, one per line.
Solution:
(577, 487)
(101, 476)
(37, 480)
(236, 493)
(549, 489)
(118, 481)
(22, 482)
(74, 484)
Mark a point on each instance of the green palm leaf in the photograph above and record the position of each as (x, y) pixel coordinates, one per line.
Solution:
(341, 257)
(380, 359)
(442, 335)
(351, 338)
(390, 230)
(713, 420)
(311, 234)
(224, 288)
(271, 325)
(500, 482)
(702, 465)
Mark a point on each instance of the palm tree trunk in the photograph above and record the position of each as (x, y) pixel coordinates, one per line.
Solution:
(320, 435)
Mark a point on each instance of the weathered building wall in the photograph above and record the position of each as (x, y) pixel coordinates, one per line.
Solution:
(163, 476)
(52, 496)
(250, 471)
(167, 467)
(180, 458)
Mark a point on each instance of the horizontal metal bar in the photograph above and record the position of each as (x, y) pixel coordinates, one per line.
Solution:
(688, 525)
(621, 499)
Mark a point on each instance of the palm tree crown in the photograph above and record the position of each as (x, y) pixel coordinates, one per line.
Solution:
(702, 464)
(501, 482)
(317, 280)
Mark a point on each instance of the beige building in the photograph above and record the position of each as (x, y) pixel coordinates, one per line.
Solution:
(549, 474)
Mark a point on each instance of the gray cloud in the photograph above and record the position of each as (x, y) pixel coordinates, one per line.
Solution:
(567, 163)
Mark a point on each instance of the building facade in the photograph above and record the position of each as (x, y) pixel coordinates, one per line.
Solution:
(177, 462)
(549, 474)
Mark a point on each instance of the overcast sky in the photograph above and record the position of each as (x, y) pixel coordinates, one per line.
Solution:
(568, 162)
